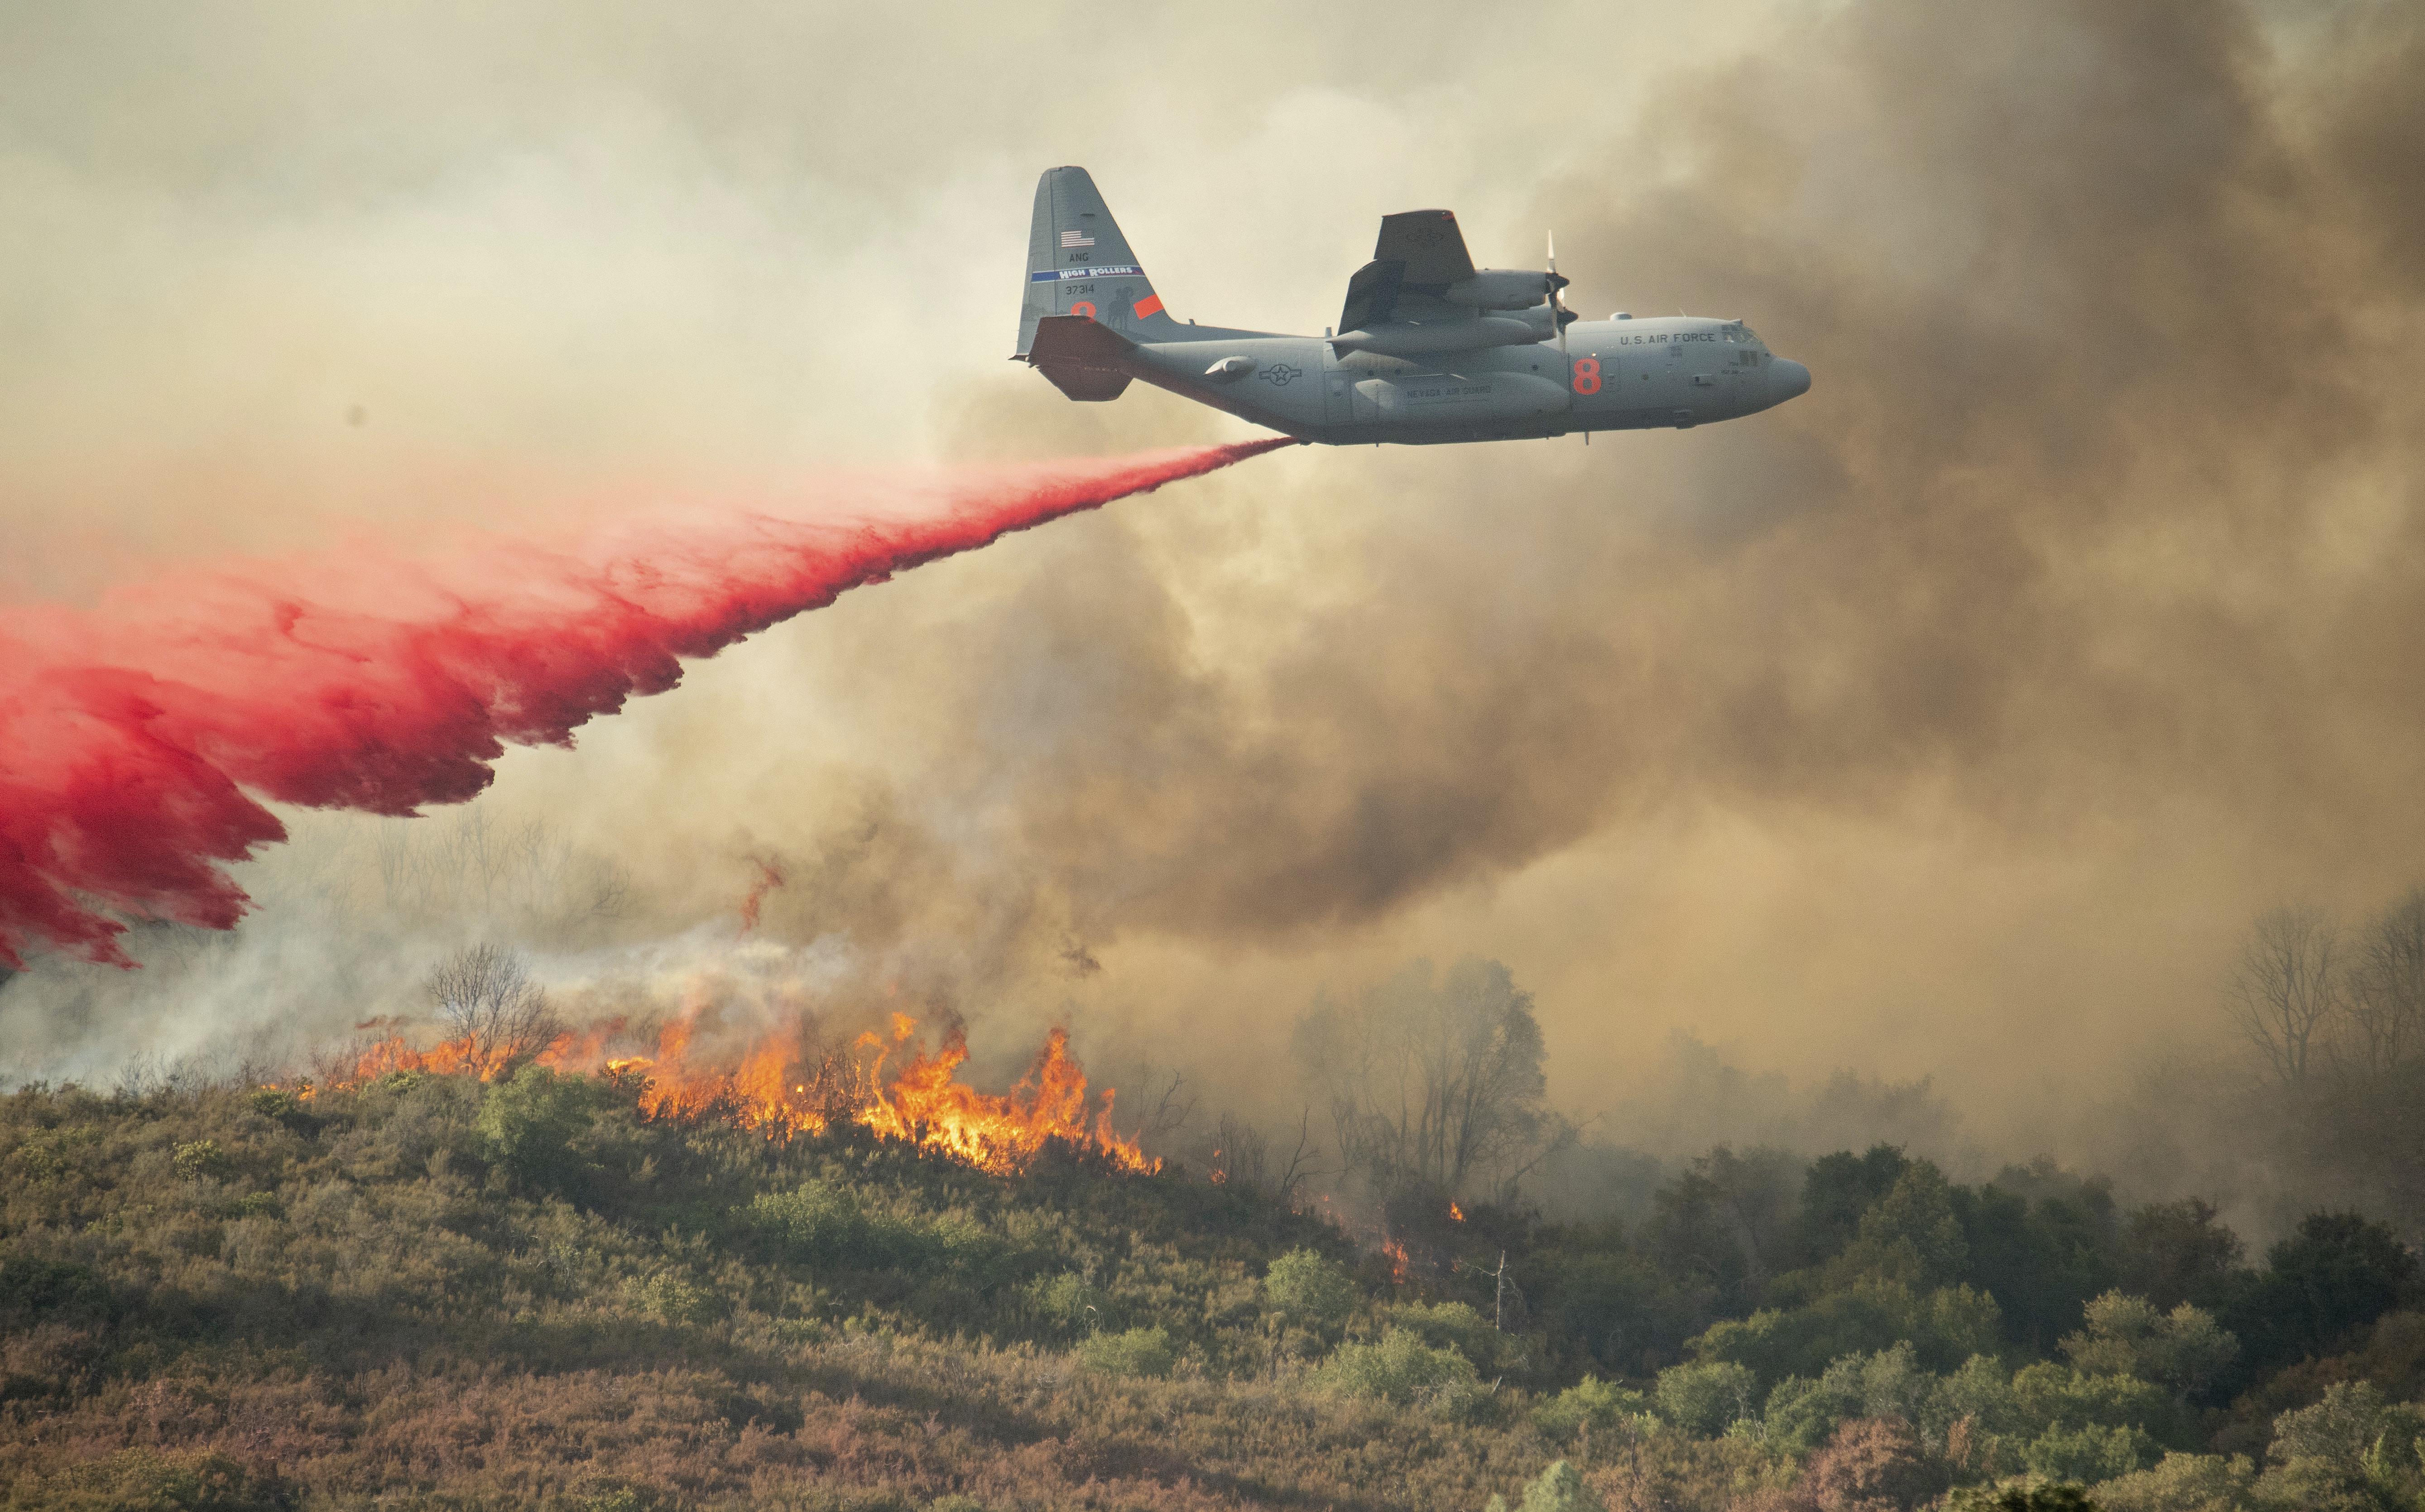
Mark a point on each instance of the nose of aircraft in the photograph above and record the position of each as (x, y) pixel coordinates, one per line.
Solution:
(1787, 380)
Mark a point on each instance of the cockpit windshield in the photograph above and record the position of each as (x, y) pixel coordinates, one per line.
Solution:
(1746, 336)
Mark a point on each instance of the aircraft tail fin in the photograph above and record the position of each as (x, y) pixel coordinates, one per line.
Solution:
(1079, 264)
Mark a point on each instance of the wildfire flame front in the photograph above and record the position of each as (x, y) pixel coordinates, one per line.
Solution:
(783, 1088)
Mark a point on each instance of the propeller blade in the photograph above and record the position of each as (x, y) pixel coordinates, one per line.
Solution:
(1557, 305)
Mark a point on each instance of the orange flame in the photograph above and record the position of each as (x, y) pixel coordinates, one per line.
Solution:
(1456, 1215)
(782, 1087)
(770, 876)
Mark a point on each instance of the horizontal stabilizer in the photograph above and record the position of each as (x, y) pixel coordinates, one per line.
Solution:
(1084, 357)
(1091, 385)
(1076, 341)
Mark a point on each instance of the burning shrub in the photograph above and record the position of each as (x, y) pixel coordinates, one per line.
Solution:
(282, 1106)
(1137, 1351)
(486, 998)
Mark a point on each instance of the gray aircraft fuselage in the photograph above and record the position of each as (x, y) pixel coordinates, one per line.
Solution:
(1429, 350)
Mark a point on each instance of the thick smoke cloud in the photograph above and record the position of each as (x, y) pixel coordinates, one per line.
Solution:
(1950, 721)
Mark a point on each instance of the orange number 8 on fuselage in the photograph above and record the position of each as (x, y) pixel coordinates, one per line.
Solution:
(1586, 375)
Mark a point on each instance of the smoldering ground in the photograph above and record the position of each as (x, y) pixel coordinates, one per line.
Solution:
(1952, 720)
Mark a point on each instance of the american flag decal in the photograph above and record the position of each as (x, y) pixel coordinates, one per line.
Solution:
(1076, 238)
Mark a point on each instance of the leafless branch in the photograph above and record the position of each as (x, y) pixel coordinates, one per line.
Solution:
(487, 999)
(2287, 988)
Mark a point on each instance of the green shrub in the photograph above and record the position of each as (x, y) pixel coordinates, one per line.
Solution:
(2049, 1395)
(276, 1102)
(2184, 1350)
(1589, 1403)
(2343, 1429)
(1454, 1325)
(2183, 1483)
(146, 1480)
(825, 1223)
(2352, 1448)
(611, 1494)
(50, 1291)
(201, 1158)
(1707, 1397)
(1064, 1300)
(1945, 1326)
(2021, 1498)
(528, 1125)
(1137, 1351)
(673, 1297)
(1559, 1489)
(1400, 1368)
(1800, 1414)
(2089, 1452)
(1309, 1292)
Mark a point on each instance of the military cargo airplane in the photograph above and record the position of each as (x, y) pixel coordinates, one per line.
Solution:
(1429, 348)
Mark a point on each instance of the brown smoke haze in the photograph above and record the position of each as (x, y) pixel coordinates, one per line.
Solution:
(1953, 722)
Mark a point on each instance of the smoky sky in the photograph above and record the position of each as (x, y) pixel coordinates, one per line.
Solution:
(1950, 721)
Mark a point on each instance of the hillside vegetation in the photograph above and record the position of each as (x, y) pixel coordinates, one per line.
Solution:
(428, 1292)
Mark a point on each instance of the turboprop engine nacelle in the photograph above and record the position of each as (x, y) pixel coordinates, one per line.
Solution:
(1418, 339)
(1498, 288)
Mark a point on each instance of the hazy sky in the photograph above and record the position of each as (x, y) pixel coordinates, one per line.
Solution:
(1953, 720)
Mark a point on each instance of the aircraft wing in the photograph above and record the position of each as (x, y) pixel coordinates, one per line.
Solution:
(1420, 253)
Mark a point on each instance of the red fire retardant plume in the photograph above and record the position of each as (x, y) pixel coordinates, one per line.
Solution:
(135, 737)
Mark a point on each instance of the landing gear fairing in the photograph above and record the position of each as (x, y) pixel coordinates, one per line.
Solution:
(1429, 348)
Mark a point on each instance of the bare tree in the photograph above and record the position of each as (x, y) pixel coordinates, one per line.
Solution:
(1243, 1157)
(1236, 1152)
(486, 999)
(1435, 1083)
(1299, 1169)
(2386, 996)
(1171, 1112)
(2287, 989)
